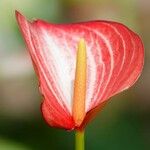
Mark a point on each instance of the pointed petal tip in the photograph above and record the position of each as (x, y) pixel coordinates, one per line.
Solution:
(21, 19)
(19, 16)
(17, 13)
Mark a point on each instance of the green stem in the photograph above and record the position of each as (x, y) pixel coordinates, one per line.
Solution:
(79, 140)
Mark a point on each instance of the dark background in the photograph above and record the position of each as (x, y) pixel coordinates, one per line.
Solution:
(123, 124)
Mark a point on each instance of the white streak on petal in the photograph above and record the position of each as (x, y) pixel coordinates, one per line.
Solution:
(92, 77)
(60, 67)
(110, 52)
(123, 58)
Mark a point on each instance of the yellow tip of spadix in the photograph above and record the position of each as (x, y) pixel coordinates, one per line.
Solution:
(80, 84)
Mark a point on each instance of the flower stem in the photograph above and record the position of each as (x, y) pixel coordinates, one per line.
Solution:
(79, 140)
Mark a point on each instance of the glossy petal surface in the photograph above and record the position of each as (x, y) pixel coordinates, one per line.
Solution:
(114, 62)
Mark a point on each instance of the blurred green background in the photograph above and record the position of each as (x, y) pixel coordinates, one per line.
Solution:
(123, 124)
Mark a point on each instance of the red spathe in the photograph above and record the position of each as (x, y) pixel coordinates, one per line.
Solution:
(115, 57)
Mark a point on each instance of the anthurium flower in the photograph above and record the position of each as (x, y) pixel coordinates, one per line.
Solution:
(80, 66)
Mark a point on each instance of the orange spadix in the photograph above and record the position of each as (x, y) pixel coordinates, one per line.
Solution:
(80, 84)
